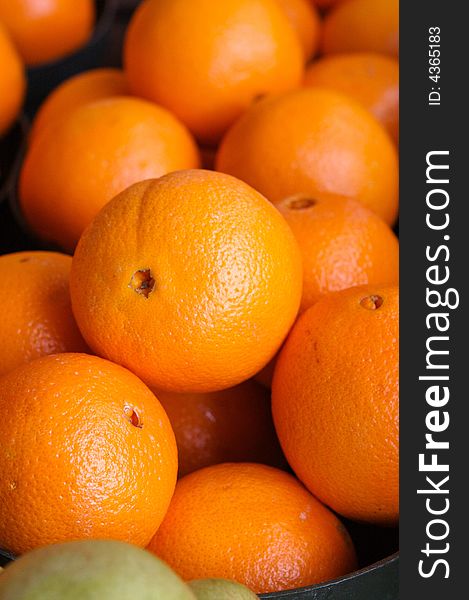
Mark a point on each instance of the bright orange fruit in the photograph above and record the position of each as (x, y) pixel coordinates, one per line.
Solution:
(369, 78)
(87, 452)
(253, 524)
(313, 141)
(46, 31)
(203, 291)
(82, 161)
(76, 91)
(37, 315)
(343, 244)
(335, 402)
(208, 61)
(362, 25)
(305, 19)
(234, 425)
(12, 81)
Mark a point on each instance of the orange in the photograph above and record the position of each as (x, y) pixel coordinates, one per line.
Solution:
(234, 425)
(82, 161)
(46, 31)
(12, 82)
(313, 141)
(253, 524)
(87, 452)
(335, 402)
(203, 291)
(305, 20)
(208, 61)
(362, 25)
(78, 90)
(371, 79)
(37, 315)
(343, 244)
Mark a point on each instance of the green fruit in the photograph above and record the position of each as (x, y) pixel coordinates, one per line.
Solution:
(220, 589)
(91, 570)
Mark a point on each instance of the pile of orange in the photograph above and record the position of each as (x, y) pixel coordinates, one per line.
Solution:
(131, 364)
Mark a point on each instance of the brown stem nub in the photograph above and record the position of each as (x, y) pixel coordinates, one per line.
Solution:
(142, 282)
(300, 202)
(372, 302)
(132, 416)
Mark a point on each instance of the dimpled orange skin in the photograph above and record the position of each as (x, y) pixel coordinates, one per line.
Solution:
(362, 25)
(313, 141)
(253, 524)
(369, 78)
(234, 425)
(221, 273)
(46, 31)
(336, 405)
(12, 81)
(305, 20)
(79, 163)
(37, 316)
(208, 61)
(73, 464)
(76, 91)
(343, 244)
